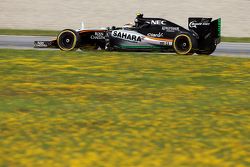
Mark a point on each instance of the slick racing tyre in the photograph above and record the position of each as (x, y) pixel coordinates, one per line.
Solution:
(68, 40)
(208, 51)
(183, 44)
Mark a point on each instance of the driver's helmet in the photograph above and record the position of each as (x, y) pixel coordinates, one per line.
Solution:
(138, 16)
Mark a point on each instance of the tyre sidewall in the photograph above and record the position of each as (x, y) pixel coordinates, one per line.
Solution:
(190, 41)
(75, 40)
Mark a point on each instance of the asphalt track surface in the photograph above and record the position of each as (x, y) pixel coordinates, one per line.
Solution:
(26, 42)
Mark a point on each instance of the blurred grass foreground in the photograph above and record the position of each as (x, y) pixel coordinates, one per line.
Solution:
(123, 109)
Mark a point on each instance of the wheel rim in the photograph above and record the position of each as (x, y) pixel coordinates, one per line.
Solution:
(182, 44)
(67, 40)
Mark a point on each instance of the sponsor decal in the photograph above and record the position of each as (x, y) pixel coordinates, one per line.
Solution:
(41, 44)
(169, 43)
(194, 24)
(159, 35)
(157, 22)
(127, 36)
(98, 35)
(170, 29)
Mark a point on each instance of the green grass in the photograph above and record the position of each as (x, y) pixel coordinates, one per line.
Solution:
(123, 109)
(54, 33)
(236, 39)
(28, 32)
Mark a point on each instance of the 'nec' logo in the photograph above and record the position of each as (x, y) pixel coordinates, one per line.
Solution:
(157, 22)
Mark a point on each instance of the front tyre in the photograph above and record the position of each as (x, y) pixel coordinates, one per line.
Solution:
(68, 40)
(183, 44)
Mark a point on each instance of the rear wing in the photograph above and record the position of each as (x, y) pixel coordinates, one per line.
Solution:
(205, 28)
(216, 29)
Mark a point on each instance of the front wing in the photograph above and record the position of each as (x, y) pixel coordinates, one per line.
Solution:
(45, 44)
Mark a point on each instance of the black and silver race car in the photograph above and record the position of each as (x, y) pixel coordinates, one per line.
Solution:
(147, 34)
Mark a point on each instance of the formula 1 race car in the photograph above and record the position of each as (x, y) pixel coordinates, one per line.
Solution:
(147, 34)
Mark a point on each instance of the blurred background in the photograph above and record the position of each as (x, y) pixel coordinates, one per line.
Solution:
(60, 14)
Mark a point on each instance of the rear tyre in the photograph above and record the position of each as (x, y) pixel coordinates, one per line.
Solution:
(68, 40)
(208, 51)
(183, 44)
